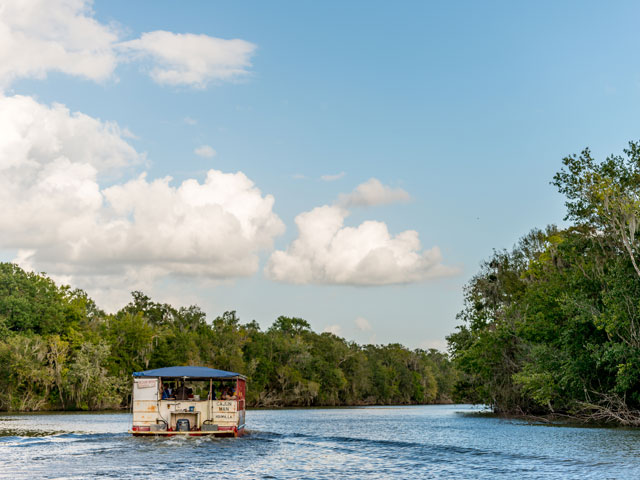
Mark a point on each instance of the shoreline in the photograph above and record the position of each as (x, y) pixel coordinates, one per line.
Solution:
(291, 407)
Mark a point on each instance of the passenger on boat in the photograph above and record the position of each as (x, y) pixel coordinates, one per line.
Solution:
(228, 393)
(182, 392)
(167, 392)
(223, 394)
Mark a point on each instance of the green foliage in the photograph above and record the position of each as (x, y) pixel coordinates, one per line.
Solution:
(87, 382)
(605, 196)
(26, 378)
(554, 325)
(62, 352)
(30, 302)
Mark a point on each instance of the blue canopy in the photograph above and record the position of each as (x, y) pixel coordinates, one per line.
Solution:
(191, 372)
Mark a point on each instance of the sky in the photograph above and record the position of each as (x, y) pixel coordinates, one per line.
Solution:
(350, 163)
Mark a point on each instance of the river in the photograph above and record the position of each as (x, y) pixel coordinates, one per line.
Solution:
(452, 441)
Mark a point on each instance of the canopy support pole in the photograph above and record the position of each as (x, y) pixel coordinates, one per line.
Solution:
(210, 398)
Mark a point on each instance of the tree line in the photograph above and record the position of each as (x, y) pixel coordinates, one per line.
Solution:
(59, 350)
(552, 327)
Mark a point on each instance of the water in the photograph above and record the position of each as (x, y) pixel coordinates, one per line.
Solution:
(372, 443)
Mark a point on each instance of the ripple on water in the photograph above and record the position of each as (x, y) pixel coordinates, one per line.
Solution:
(372, 443)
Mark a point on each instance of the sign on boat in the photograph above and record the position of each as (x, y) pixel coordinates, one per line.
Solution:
(188, 401)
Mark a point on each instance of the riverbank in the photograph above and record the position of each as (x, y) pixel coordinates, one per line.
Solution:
(61, 351)
(126, 409)
(552, 325)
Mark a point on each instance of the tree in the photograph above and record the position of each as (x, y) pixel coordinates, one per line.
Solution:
(88, 383)
(605, 196)
(60, 351)
(30, 302)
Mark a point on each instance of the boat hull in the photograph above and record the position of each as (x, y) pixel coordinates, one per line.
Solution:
(217, 433)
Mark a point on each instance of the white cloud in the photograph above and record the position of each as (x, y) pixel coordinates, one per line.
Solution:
(327, 252)
(190, 121)
(189, 59)
(298, 176)
(334, 329)
(56, 212)
(50, 160)
(205, 151)
(38, 36)
(332, 178)
(438, 344)
(41, 35)
(362, 324)
(373, 192)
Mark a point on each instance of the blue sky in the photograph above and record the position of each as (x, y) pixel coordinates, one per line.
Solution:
(468, 107)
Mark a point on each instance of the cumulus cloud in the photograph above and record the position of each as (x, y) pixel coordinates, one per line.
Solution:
(65, 223)
(438, 344)
(188, 59)
(38, 36)
(373, 192)
(362, 324)
(50, 160)
(327, 252)
(334, 329)
(205, 151)
(332, 178)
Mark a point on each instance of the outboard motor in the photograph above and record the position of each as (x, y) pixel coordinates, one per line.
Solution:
(182, 425)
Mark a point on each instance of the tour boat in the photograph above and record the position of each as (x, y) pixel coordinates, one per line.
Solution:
(188, 401)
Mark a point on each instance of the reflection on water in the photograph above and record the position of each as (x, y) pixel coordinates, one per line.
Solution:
(377, 442)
